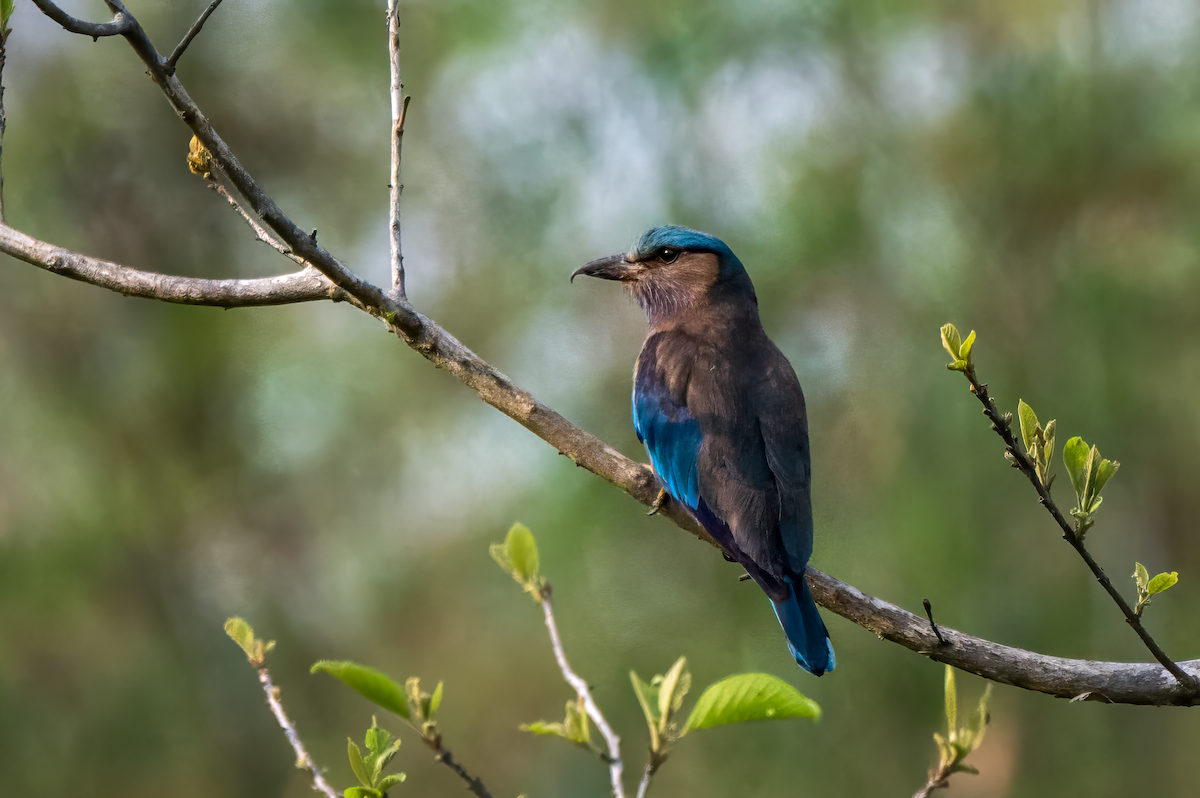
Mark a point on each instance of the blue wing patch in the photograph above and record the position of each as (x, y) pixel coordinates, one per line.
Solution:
(672, 438)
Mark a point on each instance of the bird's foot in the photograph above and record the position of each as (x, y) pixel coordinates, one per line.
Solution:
(658, 502)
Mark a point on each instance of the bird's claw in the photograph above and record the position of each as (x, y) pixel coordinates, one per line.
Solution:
(658, 502)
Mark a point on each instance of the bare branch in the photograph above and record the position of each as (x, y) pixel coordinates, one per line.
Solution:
(474, 784)
(3, 120)
(399, 107)
(260, 232)
(303, 760)
(644, 784)
(585, 695)
(1077, 679)
(119, 26)
(303, 286)
(1003, 427)
(191, 34)
(302, 243)
(938, 780)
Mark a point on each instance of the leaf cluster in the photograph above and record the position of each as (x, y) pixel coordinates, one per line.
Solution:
(242, 634)
(6, 11)
(743, 697)
(960, 742)
(959, 349)
(660, 700)
(1147, 587)
(1039, 442)
(1089, 473)
(369, 769)
(574, 728)
(518, 556)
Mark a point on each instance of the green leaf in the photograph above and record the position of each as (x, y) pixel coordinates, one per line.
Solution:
(388, 782)
(6, 10)
(1048, 434)
(435, 701)
(1162, 582)
(377, 739)
(647, 696)
(1029, 424)
(363, 792)
(386, 754)
(1075, 458)
(965, 351)
(542, 727)
(670, 694)
(357, 764)
(951, 341)
(1104, 472)
(522, 552)
(980, 718)
(1141, 576)
(576, 724)
(518, 556)
(749, 696)
(951, 703)
(241, 633)
(367, 682)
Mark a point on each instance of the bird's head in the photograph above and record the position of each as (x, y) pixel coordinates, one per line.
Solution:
(672, 270)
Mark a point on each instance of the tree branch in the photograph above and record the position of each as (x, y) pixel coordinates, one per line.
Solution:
(938, 780)
(191, 34)
(303, 760)
(399, 109)
(585, 695)
(302, 243)
(1003, 427)
(644, 784)
(474, 785)
(3, 120)
(119, 26)
(259, 231)
(285, 289)
(1077, 679)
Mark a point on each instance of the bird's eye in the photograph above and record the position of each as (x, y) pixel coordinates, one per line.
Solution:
(668, 255)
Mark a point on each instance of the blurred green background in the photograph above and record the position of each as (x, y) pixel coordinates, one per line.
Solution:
(1030, 170)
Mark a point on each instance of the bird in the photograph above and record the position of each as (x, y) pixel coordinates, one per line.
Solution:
(721, 414)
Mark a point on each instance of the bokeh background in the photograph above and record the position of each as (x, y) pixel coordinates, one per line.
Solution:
(1030, 170)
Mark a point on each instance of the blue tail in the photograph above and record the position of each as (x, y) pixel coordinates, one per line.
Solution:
(807, 637)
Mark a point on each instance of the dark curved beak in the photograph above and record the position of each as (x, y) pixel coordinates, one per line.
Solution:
(614, 267)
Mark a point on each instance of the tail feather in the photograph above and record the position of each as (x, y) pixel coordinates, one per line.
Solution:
(807, 638)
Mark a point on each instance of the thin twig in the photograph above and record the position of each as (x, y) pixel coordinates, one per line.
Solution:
(260, 232)
(474, 785)
(191, 34)
(1003, 428)
(644, 784)
(395, 187)
(3, 121)
(938, 780)
(585, 695)
(303, 760)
